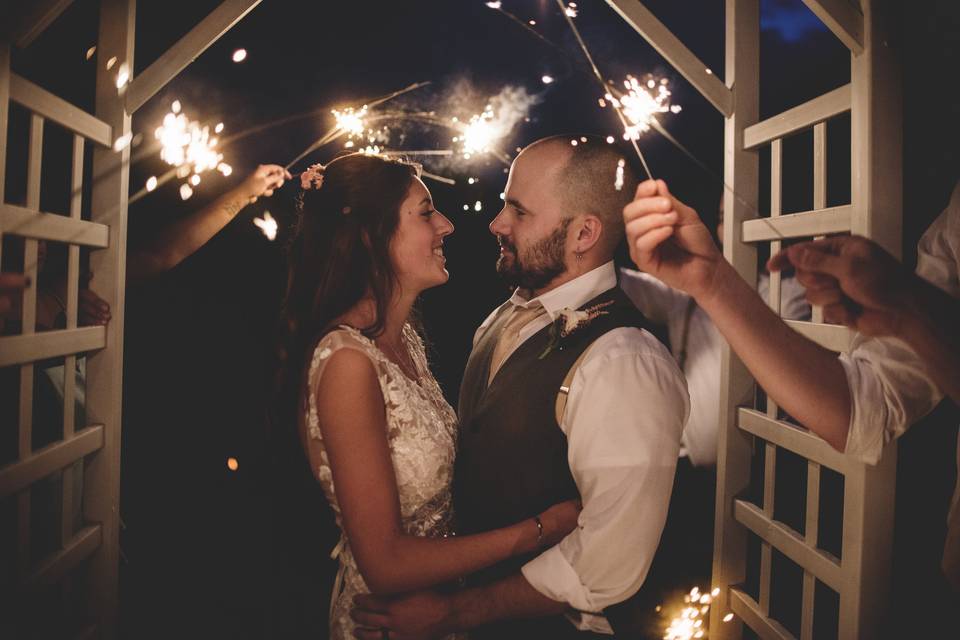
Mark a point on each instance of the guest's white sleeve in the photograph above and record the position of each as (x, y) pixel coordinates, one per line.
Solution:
(655, 299)
(625, 413)
(889, 385)
(889, 391)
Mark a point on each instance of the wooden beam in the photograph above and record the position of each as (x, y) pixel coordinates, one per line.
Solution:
(54, 568)
(741, 175)
(749, 611)
(50, 344)
(38, 225)
(833, 337)
(843, 19)
(59, 455)
(801, 117)
(32, 19)
(795, 439)
(676, 53)
(805, 224)
(186, 50)
(790, 543)
(51, 107)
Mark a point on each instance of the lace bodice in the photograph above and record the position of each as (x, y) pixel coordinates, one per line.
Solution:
(421, 432)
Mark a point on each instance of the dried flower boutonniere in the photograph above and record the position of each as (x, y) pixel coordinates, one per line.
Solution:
(569, 322)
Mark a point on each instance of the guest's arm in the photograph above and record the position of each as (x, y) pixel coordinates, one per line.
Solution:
(352, 418)
(862, 286)
(183, 238)
(668, 240)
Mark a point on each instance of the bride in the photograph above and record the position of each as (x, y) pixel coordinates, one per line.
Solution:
(377, 433)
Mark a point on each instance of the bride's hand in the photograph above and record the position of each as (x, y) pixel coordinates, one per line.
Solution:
(559, 520)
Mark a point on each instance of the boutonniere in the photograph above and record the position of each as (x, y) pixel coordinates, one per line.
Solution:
(569, 322)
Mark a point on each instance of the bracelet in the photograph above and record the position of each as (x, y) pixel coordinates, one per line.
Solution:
(539, 530)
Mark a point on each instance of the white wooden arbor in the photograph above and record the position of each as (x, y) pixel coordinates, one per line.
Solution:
(93, 548)
(862, 577)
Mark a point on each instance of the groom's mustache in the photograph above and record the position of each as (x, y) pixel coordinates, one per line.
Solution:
(506, 244)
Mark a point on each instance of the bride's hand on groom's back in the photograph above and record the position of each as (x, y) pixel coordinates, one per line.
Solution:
(559, 520)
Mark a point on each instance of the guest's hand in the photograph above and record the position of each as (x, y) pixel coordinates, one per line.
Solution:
(668, 240)
(92, 309)
(559, 520)
(263, 181)
(855, 280)
(421, 615)
(11, 284)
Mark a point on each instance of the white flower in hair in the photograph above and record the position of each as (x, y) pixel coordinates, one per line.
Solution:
(312, 178)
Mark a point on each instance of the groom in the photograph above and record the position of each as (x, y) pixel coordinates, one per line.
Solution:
(614, 444)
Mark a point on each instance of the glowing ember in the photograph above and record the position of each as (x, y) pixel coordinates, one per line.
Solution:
(232, 464)
(185, 192)
(478, 206)
(122, 142)
(224, 168)
(641, 103)
(267, 225)
(239, 55)
(195, 180)
(112, 61)
(494, 5)
(571, 10)
(218, 128)
(123, 76)
(618, 181)
(92, 50)
(151, 183)
(690, 621)
(610, 139)
(547, 79)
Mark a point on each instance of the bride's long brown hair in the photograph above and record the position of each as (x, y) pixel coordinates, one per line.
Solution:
(340, 254)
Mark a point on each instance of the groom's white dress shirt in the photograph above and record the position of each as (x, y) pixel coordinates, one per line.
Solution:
(625, 413)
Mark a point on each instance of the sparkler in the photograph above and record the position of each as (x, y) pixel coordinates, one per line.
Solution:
(691, 621)
(189, 148)
(640, 104)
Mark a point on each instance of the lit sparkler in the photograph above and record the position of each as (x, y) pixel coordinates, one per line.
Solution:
(641, 103)
(189, 147)
(692, 620)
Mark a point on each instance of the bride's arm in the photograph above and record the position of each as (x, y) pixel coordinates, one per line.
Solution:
(352, 421)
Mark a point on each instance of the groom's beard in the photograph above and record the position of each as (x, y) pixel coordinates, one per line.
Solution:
(539, 264)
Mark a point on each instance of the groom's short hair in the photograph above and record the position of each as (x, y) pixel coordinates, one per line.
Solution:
(587, 182)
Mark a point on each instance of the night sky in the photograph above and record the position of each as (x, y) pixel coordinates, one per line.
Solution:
(199, 538)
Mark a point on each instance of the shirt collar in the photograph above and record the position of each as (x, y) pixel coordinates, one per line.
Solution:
(573, 294)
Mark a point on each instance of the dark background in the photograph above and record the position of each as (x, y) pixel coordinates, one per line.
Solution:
(205, 552)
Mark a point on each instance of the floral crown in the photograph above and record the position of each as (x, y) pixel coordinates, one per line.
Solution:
(312, 178)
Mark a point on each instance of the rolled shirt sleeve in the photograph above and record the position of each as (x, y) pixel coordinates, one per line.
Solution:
(625, 413)
(889, 386)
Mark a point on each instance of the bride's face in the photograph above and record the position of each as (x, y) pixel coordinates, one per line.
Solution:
(417, 246)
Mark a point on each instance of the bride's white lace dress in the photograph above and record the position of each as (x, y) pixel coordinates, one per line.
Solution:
(421, 431)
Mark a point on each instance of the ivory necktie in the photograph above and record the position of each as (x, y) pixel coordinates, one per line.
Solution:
(510, 335)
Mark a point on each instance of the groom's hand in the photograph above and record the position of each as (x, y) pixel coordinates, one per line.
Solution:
(421, 615)
(668, 240)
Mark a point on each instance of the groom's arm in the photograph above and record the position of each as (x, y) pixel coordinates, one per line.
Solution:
(624, 417)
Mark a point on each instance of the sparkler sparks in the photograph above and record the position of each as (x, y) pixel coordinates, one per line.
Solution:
(618, 182)
(189, 147)
(641, 103)
(692, 620)
(267, 225)
(239, 55)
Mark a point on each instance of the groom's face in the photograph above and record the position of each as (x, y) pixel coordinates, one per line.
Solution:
(531, 228)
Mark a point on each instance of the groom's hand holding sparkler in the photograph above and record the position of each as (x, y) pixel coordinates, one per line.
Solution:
(669, 241)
